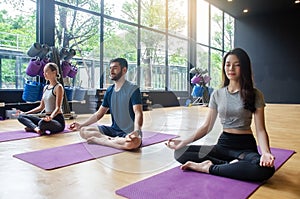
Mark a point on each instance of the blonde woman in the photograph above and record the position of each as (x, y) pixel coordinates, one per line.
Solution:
(51, 102)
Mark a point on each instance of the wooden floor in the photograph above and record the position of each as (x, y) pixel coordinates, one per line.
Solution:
(100, 178)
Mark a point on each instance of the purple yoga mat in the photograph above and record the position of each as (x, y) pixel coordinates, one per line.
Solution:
(20, 134)
(178, 184)
(62, 156)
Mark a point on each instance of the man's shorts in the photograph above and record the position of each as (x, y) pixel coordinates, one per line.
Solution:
(109, 131)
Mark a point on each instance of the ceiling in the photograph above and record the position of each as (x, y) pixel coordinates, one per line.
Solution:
(256, 7)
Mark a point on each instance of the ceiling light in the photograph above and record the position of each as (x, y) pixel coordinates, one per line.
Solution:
(297, 1)
(229, 0)
(245, 10)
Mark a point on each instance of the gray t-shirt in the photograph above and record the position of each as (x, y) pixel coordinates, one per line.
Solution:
(121, 105)
(230, 107)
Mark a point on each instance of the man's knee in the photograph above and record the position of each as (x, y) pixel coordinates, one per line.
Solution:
(83, 133)
(87, 132)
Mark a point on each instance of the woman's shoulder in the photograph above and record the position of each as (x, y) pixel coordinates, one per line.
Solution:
(58, 88)
(258, 92)
(59, 85)
(259, 96)
(219, 91)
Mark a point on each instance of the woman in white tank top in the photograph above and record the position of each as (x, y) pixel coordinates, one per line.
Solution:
(51, 102)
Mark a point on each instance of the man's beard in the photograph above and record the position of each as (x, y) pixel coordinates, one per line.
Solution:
(116, 77)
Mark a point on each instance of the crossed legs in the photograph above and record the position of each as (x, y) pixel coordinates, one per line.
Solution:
(94, 136)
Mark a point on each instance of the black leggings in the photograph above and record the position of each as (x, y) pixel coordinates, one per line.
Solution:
(56, 125)
(229, 147)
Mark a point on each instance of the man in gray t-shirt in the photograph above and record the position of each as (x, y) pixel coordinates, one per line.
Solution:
(124, 101)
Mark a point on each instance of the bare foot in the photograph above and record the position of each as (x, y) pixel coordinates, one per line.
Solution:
(39, 131)
(200, 167)
(97, 140)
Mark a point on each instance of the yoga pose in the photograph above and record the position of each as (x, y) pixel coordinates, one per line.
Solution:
(235, 155)
(124, 101)
(51, 102)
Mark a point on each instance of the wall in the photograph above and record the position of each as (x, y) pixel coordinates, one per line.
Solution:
(273, 44)
(13, 99)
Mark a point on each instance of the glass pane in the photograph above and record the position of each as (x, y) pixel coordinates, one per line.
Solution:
(153, 69)
(82, 35)
(13, 69)
(153, 14)
(202, 57)
(216, 27)
(178, 64)
(122, 9)
(229, 32)
(202, 63)
(178, 17)
(93, 5)
(120, 41)
(216, 69)
(17, 33)
(202, 22)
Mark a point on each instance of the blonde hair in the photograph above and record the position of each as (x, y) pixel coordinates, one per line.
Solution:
(53, 67)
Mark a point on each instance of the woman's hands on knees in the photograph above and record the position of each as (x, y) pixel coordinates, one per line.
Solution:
(267, 160)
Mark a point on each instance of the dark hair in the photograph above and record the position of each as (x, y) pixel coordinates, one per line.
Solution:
(246, 78)
(123, 62)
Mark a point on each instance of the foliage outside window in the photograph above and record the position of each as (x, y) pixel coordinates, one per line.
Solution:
(122, 9)
(120, 40)
(80, 31)
(178, 64)
(162, 45)
(216, 68)
(152, 60)
(17, 33)
(220, 40)
(228, 32)
(91, 5)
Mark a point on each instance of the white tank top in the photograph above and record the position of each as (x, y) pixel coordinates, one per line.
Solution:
(49, 99)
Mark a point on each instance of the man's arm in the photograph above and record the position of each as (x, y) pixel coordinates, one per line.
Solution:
(91, 120)
(95, 117)
(138, 112)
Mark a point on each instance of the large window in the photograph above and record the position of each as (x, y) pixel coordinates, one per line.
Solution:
(120, 40)
(17, 33)
(153, 35)
(178, 61)
(122, 9)
(79, 31)
(202, 22)
(153, 14)
(178, 17)
(214, 37)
